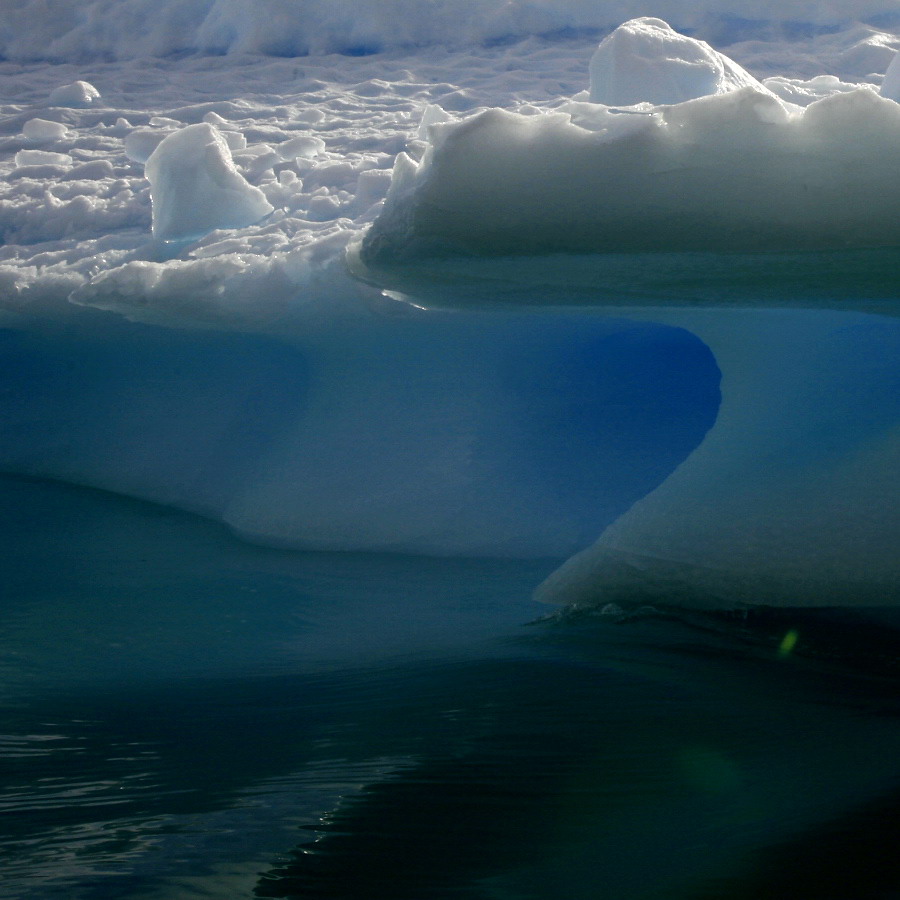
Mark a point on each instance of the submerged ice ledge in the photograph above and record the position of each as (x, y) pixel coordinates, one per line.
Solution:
(504, 435)
(792, 499)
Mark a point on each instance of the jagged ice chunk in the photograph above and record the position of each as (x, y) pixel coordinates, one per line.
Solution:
(195, 187)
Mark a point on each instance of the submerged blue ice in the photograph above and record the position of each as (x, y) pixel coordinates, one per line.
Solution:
(505, 433)
(793, 497)
(475, 434)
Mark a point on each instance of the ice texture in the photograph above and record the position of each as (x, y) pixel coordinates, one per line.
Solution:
(645, 60)
(42, 158)
(195, 187)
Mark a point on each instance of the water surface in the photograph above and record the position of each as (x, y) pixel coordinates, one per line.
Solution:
(187, 715)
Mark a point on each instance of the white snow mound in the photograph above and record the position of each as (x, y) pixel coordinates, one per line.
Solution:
(645, 60)
(195, 187)
(78, 95)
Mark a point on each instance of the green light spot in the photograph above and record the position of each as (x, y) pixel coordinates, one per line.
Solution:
(788, 642)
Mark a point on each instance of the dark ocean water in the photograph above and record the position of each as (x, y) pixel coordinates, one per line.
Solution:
(185, 715)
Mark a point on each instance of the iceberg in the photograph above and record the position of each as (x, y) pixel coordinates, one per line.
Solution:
(518, 209)
(427, 311)
(740, 170)
(439, 277)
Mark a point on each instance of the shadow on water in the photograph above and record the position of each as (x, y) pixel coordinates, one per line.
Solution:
(663, 757)
(853, 855)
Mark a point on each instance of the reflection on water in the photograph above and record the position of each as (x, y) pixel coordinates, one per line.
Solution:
(184, 715)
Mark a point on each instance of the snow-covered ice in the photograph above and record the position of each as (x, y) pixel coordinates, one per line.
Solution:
(43, 131)
(41, 158)
(318, 136)
(677, 149)
(736, 171)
